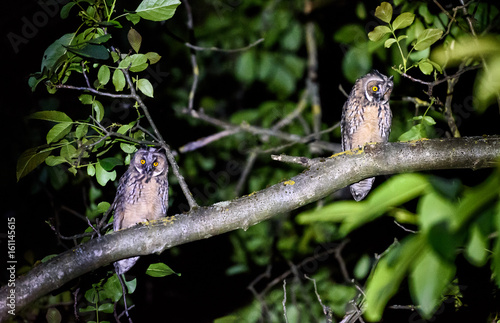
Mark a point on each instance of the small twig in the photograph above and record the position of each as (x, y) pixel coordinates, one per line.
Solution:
(194, 63)
(215, 49)
(303, 161)
(338, 256)
(182, 182)
(284, 300)
(260, 131)
(326, 310)
(405, 229)
(124, 292)
(193, 145)
(294, 114)
(341, 89)
(246, 171)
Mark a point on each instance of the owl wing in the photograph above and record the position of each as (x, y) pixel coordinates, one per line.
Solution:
(163, 194)
(349, 122)
(118, 203)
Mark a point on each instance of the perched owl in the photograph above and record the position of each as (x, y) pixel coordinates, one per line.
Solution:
(366, 117)
(142, 194)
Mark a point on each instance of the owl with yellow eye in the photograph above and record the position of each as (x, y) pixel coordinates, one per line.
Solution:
(366, 117)
(142, 194)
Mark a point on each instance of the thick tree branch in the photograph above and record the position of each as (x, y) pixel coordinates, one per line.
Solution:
(324, 176)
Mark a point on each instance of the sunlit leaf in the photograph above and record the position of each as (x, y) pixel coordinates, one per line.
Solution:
(118, 80)
(58, 131)
(103, 176)
(428, 279)
(427, 38)
(52, 115)
(157, 10)
(384, 12)
(160, 270)
(103, 75)
(403, 20)
(145, 87)
(378, 33)
(29, 160)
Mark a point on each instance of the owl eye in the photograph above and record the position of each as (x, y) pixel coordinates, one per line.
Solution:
(143, 161)
(155, 164)
(375, 89)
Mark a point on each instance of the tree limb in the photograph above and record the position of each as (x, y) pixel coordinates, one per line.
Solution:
(325, 176)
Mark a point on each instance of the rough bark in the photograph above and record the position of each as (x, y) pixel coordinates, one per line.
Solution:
(323, 177)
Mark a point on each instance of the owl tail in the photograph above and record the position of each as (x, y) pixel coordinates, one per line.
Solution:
(360, 189)
(124, 265)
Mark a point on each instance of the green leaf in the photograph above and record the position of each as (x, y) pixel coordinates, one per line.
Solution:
(52, 115)
(100, 39)
(157, 10)
(29, 160)
(86, 99)
(403, 20)
(246, 67)
(356, 62)
(128, 148)
(135, 39)
(145, 87)
(136, 63)
(487, 84)
(47, 258)
(53, 315)
(427, 38)
(104, 176)
(152, 57)
(81, 130)
(58, 131)
(113, 288)
(110, 163)
(55, 54)
(94, 51)
(477, 247)
(106, 308)
(350, 34)
(103, 207)
(495, 262)
(428, 121)
(384, 282)
(378, 33)
(90, 170)
(160, 270)
(126, 127)
(428, 279)
(384, 12)
(425, 67)
(103, 75)
(66, 9)
(99, 110)
(118, 80)
(362, 267)
(133, 18)
(68, 152)
(131, 285)
(415, 133)
(388, 43)
(54, 160)
(87, 309)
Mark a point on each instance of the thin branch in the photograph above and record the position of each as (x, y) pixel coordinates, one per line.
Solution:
(192, 55)
(284, 300)
(193, 145)
(216, 49)
(246, 171)
(260, 131)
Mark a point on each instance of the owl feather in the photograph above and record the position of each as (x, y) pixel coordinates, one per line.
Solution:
(366, 117)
